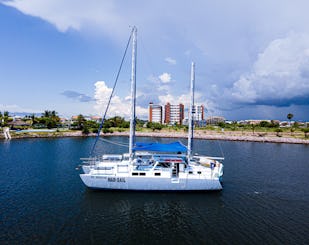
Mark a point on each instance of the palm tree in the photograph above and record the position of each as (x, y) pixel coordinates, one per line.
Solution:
(80, 121)
(290, 116)
(5, 117)
(46, 113)
(253, 128)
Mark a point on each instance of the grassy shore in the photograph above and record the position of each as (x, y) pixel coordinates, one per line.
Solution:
(232, 135)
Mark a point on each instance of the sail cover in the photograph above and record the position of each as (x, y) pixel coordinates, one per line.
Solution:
(174, 147)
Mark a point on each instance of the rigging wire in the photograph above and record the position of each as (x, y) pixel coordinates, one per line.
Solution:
(112, 93)
(115, 143)
(222, 153)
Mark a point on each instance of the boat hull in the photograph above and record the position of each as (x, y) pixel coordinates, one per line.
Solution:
(149, 183)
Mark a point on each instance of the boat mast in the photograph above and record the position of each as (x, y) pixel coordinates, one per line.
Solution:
(133, 94)
(190, 135)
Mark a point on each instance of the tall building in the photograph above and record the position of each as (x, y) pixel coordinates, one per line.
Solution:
(174, 114)
(155, 113)
(198, 116)
(198, 112)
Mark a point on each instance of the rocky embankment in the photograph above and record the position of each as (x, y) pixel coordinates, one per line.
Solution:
(225, 136)
(209, 135)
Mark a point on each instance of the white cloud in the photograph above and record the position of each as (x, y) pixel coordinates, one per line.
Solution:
(165, 77)
(210, 106)
(280, 75)
(168, 98)
(141, 113)
(17, 108)
(118, 107)
(121, 106)
(183, 99)
(75, 14)
(170, 61)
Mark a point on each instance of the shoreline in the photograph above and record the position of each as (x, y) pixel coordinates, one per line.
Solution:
(218, 136)
(211, 135)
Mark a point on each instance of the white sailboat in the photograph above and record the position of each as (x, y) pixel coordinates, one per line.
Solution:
(154, 166)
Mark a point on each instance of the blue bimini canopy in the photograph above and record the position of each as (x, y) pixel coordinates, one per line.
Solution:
(174, 147)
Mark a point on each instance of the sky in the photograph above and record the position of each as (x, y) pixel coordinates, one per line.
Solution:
(251, 57)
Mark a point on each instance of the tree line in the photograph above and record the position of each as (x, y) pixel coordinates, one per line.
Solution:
(50, 119)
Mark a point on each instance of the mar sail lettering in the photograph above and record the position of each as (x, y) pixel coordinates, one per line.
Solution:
(114, 179)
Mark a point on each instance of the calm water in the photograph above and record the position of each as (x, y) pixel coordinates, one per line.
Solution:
(265, 198)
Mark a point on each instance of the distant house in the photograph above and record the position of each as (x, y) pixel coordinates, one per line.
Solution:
(18, 123)
(255, 122)
(88, 118)
(65, 122)
(213, 120)
(286, 124)
(96, 119)
(74, 118)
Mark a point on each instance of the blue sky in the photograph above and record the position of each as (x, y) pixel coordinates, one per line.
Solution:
(252, 57)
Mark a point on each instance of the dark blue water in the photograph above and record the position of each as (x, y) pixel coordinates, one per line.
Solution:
(265, 198)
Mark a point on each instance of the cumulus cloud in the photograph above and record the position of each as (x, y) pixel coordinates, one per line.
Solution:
(161, 93)
(170, 61)
(154, 87)
(211, 108)
(182, 98)
(74, 14)
(165, 77)
(118, 107)
(279, 77)
(77, 96)
(18, 109)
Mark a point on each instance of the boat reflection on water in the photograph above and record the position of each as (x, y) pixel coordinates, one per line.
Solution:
(117, 216)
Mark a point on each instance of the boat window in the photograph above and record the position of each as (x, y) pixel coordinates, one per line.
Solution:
(104, 168)
(199, 172)
(134, 173)
(112, 157)
(163, 164)
(142, 173)
(190, 172)
(157, 174)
